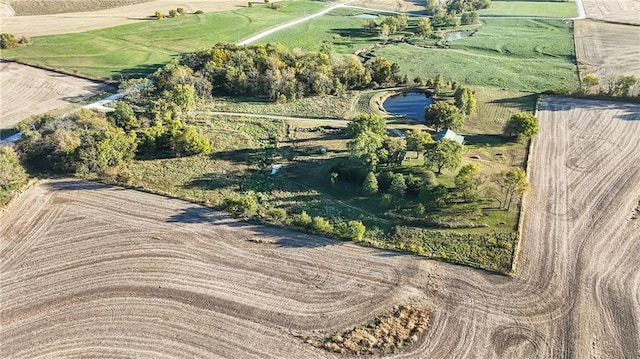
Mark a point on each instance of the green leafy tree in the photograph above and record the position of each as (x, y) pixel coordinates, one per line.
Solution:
(367, 148)
(353, 230)
(319, 224)
(333, 177)
(623, 86)
(381, 71)
(8, 41)
(398, 186)
(512, 184)
(417, 140)
(369, 24)
(444, 154)
(124, 117)
(189, 142)
(424, 27)
(395, 149)
(469, 18)
(468, 180)
(367, 123)
(12, 174)
(443, 115)
(370, 184)
(522, 126)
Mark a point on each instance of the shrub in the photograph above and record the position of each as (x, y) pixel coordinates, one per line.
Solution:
(242, 205)
(321, 225)
(180, 10)
(8, 41)
(277, 214)
(173, 13)
(158, 15)
(302, 220)
(199, 12)
(353, 230)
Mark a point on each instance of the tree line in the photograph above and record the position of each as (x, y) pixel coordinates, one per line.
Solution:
(273, 71)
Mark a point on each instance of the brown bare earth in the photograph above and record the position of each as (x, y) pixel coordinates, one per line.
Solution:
(43, 7)
(607, 50)
(91, 20)
(623, 11)
(96, 271)
(28, 91)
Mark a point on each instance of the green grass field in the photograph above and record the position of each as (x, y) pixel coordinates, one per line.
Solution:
(517, 54)
(339, 27)
(541, 8)
(138, 49)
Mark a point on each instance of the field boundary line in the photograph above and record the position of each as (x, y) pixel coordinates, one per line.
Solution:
(523, 208)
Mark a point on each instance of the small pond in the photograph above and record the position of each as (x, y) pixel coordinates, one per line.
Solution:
(366, 16)
(457, 35)
(408, 104)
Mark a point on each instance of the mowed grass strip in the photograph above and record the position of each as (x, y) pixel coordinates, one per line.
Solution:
(541, 8)
(138, 49)
(518, 54)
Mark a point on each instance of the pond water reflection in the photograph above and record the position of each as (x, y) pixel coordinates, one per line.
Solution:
(409, 104)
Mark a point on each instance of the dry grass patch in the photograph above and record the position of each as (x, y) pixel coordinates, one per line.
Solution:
(386, 334)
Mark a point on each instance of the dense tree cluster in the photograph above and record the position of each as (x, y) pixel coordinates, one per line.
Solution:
(9, 41)
(81, 142)
(272, 71)
(12, 174)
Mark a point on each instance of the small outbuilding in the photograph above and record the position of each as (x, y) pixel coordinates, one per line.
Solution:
(449, 135)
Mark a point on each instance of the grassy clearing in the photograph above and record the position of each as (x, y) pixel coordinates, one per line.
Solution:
(244, 150)
(339, 27)
(138, 49)
(542, 8)
(325, 106)
(517, 54)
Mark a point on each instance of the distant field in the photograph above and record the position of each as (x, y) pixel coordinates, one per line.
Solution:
(40, 7)
(518, 54)
(340, 27)
(542, 8)
(137, 49)
(607, 50)
(624, 11)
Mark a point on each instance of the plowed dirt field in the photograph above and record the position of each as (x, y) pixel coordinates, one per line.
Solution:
(88, 270)
(27, 91)
(39, 25)
(623, 11)
(97, 271)
(607, 50)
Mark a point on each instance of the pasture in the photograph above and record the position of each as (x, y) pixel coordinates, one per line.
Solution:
(137, 49)
(535, 8)
(504, 53)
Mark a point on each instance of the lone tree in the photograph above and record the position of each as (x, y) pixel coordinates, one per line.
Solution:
(522, 126)
(468, 180)
(512, 183)
(370, 184)
(444, 154)
(443, 115)
(424, 27)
